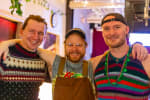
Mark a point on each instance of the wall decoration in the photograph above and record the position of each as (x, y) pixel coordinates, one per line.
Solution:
(51, 42)
(54, 17)
(16, 5)
(53, 20)
(43, 3)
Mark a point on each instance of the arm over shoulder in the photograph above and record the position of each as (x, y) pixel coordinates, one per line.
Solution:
(4, 47)
(47, 56)
(10, 42)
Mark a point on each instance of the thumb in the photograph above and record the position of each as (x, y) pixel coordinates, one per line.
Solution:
(5, 55)
(133, 54)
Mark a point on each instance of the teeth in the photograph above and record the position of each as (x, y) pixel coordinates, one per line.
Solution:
(33, 42)
(75, 54)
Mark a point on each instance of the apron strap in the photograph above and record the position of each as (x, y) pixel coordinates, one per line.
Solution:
(85, 68)
(61, 66)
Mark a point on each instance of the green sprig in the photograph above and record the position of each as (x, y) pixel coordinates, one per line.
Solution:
(16, 6)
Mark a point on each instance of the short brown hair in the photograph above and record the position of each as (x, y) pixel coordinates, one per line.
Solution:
(34, 17)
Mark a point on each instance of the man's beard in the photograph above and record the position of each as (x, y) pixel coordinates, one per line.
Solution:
(117, 45)
(75, 60)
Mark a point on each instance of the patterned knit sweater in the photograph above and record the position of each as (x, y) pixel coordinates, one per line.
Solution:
(133, 85)
(21, 74)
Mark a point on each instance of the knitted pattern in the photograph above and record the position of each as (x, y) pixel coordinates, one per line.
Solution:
(21, 74)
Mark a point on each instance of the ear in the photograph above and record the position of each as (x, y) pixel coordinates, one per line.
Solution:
(86, 45)
(127, 30)
(21, 33)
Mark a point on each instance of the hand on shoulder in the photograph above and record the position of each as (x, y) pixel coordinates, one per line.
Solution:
(47, 55)
(4, 47)
(139, 52)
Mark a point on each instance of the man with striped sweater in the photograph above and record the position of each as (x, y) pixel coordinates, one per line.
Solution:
(117, 75)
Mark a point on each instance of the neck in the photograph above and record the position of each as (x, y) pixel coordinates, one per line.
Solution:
(119, 52)
(77, 62)
(25, 47)
(74, 64)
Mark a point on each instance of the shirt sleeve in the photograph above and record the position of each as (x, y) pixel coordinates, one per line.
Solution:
(55, 66)
(91, 75)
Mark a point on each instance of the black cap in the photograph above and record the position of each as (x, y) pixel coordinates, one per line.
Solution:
(77, 31)
(118, 17)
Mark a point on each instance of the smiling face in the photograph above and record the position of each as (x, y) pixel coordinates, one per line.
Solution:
(114, 33)
(32, 35)
(75, 48)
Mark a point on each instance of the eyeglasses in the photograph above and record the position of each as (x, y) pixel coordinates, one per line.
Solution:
(74, 44)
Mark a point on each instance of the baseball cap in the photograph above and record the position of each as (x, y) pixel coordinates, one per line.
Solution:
(118, 17)
(77, 31)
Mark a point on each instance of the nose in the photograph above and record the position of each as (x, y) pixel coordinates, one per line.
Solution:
(74, 47)
(36, 35)
(111, 32)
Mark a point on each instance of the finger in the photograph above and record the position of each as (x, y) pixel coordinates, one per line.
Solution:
(144, 55)
(0, 56)
(139, 52)
(4, 58)
(134, 52)
(5, 55)
(140, 55)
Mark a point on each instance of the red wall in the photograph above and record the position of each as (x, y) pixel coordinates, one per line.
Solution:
(7, 29)
(99, 46)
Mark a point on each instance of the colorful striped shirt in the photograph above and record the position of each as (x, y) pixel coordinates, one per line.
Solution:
(133, 84)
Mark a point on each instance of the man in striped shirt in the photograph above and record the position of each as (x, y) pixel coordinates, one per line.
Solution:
(117, 75)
